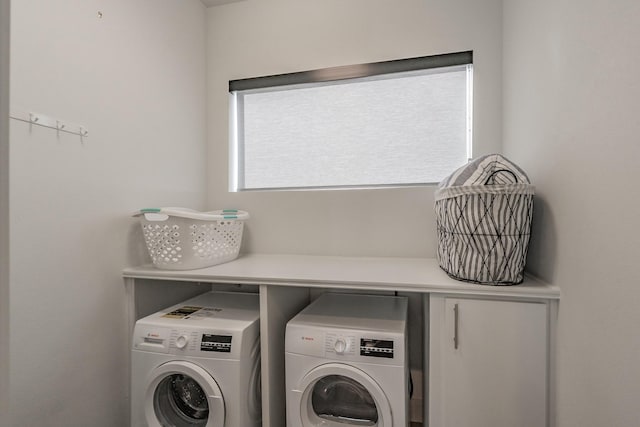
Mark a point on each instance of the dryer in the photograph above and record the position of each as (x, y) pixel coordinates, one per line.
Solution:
(346, 361)
(197, 363)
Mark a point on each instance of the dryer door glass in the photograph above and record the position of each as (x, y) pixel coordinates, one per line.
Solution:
(343, 400)
(179, 401)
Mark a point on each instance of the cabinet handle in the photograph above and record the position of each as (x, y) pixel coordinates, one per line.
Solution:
(455, 326)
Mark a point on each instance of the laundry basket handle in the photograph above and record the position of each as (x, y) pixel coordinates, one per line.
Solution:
(492, 178)
(161, 214)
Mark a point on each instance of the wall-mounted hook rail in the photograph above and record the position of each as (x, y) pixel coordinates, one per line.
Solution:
(46, 121)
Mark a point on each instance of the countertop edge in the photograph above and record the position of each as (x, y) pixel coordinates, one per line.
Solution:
(366, 273)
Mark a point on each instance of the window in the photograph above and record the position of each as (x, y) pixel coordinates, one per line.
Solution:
(391, 123)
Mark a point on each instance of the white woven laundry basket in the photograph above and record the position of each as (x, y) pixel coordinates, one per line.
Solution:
(483, 219)
(185, 239)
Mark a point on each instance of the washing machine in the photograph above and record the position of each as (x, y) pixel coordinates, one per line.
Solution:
(197, 363)
(346, 362)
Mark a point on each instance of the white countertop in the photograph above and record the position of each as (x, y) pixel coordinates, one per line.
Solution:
(396, 274)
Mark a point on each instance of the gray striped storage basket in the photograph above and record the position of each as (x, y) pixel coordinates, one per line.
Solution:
(483, 218)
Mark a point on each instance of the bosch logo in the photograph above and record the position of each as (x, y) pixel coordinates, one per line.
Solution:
(307, 338)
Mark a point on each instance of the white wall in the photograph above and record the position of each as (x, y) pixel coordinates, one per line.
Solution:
(572, 95)
(136, 79)
(264, 37)
(4, 208)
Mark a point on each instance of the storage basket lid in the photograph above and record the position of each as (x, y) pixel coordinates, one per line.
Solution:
(492, 173)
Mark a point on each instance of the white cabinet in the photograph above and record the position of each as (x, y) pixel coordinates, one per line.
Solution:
(488, 362)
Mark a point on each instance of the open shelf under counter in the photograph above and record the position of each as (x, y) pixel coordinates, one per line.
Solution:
(366, 273)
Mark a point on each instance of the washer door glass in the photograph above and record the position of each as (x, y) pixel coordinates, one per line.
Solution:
(182, 394)
(343, 400)
(179, 401)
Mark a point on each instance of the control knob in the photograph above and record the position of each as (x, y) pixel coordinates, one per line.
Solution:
(182, 341)
(340, 346)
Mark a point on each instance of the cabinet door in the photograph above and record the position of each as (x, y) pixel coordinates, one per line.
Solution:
(488, 363)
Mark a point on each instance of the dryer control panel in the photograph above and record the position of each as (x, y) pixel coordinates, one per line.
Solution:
(343, 344)
(377, 347)
(351, 346)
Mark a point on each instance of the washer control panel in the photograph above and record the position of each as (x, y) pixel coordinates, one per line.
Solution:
(193, 341)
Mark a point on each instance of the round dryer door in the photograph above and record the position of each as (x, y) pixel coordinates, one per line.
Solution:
(182, 394)
(339, 395)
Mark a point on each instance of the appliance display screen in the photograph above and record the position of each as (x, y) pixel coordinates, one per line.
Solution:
(219, 343)
(376, 348)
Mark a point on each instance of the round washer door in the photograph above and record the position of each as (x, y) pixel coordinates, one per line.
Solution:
(182, 394)
(340, 395)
